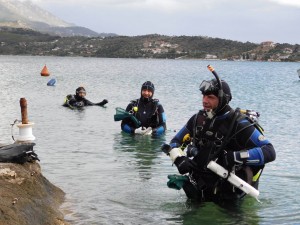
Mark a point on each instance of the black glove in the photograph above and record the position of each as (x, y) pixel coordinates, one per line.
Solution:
(166, 148)
(183, 164)
(103, 102)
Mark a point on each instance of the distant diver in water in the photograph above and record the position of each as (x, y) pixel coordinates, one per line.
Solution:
(78, 100)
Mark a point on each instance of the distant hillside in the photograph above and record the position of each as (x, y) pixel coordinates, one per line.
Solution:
(28, 42)
(14, 10)
(17, 14)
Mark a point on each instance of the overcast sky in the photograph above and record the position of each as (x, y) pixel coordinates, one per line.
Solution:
(241, 20)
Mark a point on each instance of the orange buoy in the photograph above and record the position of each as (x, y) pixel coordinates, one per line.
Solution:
(45, 71)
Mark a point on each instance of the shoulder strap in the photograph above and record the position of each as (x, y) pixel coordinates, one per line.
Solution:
(155, 103)
(134, 102)
(235, 117)
(195, 122)
(241, 117)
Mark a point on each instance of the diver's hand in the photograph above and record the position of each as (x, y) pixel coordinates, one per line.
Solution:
(148, 131)
(143, 131)
(103, 102)
(139, 131)
(166, 148)
(183, 164)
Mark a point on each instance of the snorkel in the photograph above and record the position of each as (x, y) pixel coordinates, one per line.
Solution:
(220, 91)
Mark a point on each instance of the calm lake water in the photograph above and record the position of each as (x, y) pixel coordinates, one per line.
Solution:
(112, 178)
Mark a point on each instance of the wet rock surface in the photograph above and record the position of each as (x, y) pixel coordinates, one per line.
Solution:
(27, 197)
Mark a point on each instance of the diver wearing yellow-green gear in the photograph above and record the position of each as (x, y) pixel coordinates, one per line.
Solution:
(78, 100)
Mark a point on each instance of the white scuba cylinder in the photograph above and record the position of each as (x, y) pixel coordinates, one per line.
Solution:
(233, 179)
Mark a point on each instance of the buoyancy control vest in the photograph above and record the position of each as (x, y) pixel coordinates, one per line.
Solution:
(210, 136)
(72, 102)
(146, 112)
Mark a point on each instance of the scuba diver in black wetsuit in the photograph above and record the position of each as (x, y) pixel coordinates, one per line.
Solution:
(218, 132)
(148, 111)
(78, 100)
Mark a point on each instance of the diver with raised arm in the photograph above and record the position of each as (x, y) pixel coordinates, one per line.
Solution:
(78, 100)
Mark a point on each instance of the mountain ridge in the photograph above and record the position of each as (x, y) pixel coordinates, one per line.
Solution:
(18, 41)
(26, 29)
(17, 14)
(27, 11)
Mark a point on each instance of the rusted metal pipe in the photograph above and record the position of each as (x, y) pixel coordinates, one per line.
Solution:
(23, 104)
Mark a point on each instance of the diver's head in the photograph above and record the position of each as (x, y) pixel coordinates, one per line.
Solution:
(147, 91)
(215, 98)
(80, 93)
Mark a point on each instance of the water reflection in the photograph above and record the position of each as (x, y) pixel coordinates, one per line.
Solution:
(240, 212)
(143, 150)
(79, 113)
(113, 178)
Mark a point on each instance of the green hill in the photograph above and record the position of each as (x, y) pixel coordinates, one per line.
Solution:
(17, 41)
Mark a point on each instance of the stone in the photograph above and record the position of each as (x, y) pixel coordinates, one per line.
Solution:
(27, 197)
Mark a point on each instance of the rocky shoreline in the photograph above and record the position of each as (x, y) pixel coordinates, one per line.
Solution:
(27, 197)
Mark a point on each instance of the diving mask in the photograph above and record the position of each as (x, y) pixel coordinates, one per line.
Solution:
(208, 87)
(81, 93)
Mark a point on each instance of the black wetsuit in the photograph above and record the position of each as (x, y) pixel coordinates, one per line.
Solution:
(207, 135)
(150, 113)
(74, 101)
